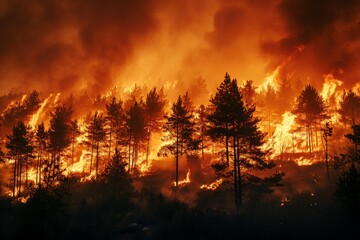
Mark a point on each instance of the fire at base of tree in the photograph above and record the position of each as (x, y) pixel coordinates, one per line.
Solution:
(140, 164)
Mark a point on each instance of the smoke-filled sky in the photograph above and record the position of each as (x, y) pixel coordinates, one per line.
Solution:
(65, 45)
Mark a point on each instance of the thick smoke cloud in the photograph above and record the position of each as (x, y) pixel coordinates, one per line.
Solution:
(67, 45)
(329, 30)
(60, 45)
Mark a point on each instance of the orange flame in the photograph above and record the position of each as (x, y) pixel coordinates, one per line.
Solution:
(185, 181)
(212, 186)
(35, 117)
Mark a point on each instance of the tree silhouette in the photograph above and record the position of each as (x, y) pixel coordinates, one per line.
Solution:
(20, 149)
(41, 137)
(201, 127)
(117, 180)
(232, 120)
(97, 133)
(179, 130)
(154, 112)
(310, 109)
(74, 133)
(355, 139)
(115, 118)
(350, 108)
(327, 132)
(59, 139)
(137, 132)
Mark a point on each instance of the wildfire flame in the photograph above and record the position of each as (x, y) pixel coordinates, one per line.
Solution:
(212, 186)
(185, 181)
(35, 117)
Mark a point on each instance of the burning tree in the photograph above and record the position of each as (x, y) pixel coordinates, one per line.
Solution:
(97, 133)
(179, 130)
(41, 137)
(231, 120)
(154, 112)
(136, 131)
(20, 149)
(59, 139)
(350, 108)
(115, 117)
(310, 109)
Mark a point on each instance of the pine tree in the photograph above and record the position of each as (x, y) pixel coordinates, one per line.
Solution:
(74, 133)
(118, 181)
(310, 109)
(97, 133)
(20, 149)
(154, 112)
(59, 134)
(201, 124)
(350, 108)
(115, 118)
(179, 130)
(41, 137)
(233, 122)
(137, 132)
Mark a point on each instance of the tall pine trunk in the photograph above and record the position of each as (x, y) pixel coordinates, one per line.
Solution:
(97, 159)
(235, 176)
(177, 156)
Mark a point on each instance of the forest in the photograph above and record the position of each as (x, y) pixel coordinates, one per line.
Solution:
(269, 161)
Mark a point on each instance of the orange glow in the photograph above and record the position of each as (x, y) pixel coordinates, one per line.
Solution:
(212, 186)
(35, 117)
(185, 181)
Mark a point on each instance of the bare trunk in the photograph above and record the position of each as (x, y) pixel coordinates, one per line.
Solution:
(235, 177)
(15, 169)
(177, 156)
(110, 135)
(97, 159)
(227, 146)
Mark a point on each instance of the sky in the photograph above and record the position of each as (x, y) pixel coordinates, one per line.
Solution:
(67, 45)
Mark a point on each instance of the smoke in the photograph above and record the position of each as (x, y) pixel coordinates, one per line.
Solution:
(330, 32)
(69, 45)
(62, 45)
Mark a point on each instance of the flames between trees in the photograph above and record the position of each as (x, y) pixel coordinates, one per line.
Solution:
(238, 134)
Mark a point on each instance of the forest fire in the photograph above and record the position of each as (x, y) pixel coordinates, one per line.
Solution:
(179, 119)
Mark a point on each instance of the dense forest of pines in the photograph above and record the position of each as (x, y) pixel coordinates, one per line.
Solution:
(134, 150)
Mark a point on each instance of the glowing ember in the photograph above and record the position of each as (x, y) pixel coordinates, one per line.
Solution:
(212, 186)
(185, 181)
(23, 199)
